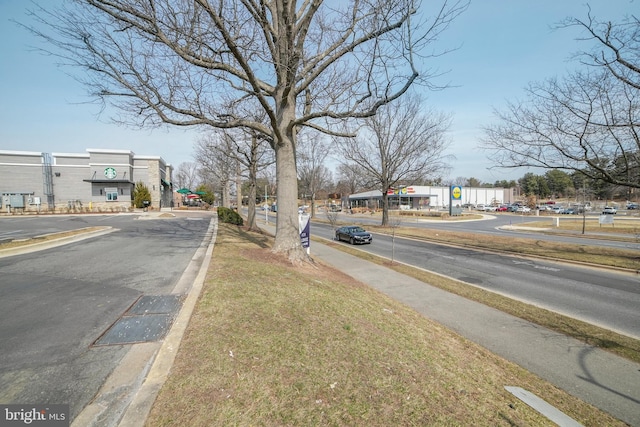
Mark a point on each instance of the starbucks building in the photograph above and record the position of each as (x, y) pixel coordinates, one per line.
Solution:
(98, 180)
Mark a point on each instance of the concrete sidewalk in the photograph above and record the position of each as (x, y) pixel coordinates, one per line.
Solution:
(600, 378)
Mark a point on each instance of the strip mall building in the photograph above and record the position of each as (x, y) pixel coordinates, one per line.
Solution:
(98, 180)
(432, 197)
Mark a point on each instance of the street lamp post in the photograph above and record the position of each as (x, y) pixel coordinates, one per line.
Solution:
(266, 204)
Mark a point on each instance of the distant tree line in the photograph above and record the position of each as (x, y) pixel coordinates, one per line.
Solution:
(559, 184)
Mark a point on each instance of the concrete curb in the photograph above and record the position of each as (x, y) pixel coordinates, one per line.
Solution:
(138, 410)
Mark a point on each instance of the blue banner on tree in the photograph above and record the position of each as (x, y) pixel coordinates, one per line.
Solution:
(304, 227)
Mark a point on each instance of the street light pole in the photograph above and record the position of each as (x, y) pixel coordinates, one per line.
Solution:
(266, 211)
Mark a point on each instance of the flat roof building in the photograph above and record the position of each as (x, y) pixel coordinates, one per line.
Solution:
(430, 197)
(98, 180)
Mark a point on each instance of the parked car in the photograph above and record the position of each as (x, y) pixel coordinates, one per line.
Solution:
(512, 208)
(480, 207)
(489, 208)
(523, 209)
(557, 209)
(354, 234)
(570, 211)
(609, 210)
(632, 206)
(502, 208)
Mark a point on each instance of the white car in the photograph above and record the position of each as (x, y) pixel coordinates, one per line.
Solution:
(609, 210)
(523, 209)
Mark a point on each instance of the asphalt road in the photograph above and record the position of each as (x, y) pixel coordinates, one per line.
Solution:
(55, 303)
(495, 225)
(604, 298)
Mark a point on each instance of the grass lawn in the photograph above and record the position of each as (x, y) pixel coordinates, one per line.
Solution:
(11, 244)
(271, 344)
(620, 225)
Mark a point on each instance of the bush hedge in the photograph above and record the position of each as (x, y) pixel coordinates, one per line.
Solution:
(229, 216)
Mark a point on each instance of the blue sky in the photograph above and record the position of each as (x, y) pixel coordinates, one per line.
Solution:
(504, 45)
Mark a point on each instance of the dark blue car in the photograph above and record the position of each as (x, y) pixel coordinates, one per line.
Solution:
(354, 234)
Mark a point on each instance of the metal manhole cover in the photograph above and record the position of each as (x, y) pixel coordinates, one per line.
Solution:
(148, 319)
(136, 329)
(155, 304)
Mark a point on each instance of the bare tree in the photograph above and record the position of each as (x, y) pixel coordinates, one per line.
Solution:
(216, 167)
(313, 173)
(270, 185)
(332, 217)
(394, 224)
(252, 154)
(580, 124)
(616, 47)
(350, 180)
(209, 62)
(586, 122)
(459, 180)
(186, 175)
(401, 144)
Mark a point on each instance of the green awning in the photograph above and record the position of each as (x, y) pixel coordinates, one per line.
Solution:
(184, 191)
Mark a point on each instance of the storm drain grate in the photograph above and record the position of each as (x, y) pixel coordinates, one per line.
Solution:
(147, 320)
(153, 304)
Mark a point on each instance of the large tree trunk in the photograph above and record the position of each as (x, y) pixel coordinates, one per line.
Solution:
(287, 225)
(226, 194)
(287, 239)
(385, 209)
(238, 187)
(251, 202)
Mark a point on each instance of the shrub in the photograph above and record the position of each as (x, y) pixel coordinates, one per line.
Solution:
(229, 216)
(141, 194)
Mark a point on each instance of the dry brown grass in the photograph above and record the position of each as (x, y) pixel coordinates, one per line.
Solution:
(275, 345)
(621, 345)
(47, 237)
(591, 225)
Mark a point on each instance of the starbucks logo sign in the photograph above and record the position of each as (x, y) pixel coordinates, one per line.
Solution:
(110, 173)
